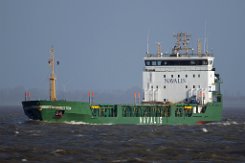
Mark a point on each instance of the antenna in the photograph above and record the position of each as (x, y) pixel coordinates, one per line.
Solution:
(205, 39)
(206, 50)
(147, 43)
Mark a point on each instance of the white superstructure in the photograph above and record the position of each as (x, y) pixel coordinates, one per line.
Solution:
(180, 76)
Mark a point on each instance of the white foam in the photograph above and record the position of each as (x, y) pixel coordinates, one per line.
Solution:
(120, 161)
(234, 123)
(225, 123)
(79, 135)
(85, 123)
(204, 130)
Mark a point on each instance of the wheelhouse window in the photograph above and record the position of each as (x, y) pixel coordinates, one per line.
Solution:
(154, 63)
(193, 62)
(147, 63)
(189, 62)
(159, 63)
(205, 62)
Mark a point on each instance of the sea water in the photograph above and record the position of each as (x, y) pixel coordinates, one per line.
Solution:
(24, 140)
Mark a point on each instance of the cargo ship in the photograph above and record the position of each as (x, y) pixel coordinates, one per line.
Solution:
(179, 88)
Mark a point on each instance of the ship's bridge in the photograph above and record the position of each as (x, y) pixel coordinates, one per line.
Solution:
(179, 77)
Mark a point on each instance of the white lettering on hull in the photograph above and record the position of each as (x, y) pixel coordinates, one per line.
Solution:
(150, 120)
(55, 107)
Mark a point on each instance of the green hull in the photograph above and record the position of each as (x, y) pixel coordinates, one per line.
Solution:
(144, 114)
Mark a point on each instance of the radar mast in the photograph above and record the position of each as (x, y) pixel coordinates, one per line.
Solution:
(181, 43)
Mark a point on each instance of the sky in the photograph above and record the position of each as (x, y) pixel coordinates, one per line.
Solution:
(101, 44)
